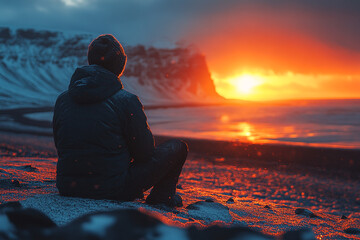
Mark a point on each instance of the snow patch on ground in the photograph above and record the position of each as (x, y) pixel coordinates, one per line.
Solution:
(6, 225)
(208, 211)
(62, 210)
(165, 232)
(99, 224)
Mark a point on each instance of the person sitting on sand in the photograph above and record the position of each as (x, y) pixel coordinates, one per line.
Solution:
(105, 147)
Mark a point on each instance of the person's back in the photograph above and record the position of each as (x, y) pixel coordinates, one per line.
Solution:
(102, 137)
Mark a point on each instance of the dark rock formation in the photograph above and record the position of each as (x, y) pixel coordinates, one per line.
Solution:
(10, 206)
(305, 212)
(230, 200)
(9, 183)
(352, 230)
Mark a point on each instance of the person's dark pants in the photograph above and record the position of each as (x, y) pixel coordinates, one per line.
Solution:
(161, 172)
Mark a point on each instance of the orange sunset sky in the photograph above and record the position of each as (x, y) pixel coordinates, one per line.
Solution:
(255, 49)
(264, 53)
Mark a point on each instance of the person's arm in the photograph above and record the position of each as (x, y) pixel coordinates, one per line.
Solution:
(55, 120)
(139, 137)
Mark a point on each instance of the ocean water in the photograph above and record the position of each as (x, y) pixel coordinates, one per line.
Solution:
(325, 123)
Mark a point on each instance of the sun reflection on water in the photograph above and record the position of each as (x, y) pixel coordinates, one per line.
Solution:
(224, 118)
(246, 131)
(262, 124)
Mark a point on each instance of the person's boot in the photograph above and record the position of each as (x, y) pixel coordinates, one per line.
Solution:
(174, 201)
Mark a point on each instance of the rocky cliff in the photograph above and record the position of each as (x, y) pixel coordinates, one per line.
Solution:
(35, 66)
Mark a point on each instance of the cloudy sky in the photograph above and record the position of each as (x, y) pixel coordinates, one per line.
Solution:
(265, 49)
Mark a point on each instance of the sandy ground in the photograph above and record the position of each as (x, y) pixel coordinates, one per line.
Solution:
(233, 194)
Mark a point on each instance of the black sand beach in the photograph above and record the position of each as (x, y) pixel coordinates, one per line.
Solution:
(259, 185)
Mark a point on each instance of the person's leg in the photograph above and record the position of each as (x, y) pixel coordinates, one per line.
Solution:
(165, 189)
(161, 172)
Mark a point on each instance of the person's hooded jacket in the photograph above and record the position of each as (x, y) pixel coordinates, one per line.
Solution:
(99, 128)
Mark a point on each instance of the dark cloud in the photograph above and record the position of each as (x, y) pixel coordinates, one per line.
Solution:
(137, 21)
(148, 21)
(334, 21)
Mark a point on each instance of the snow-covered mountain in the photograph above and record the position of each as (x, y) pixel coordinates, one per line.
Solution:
(35, 66)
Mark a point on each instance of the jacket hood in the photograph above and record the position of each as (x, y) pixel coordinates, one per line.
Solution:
(93, 83)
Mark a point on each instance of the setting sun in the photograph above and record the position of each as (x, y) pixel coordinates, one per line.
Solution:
(240, 86)
(245, 83)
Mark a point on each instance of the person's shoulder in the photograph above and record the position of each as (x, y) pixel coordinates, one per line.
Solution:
(63, 94)
(125, 96)
(61, 97)
(127, 101)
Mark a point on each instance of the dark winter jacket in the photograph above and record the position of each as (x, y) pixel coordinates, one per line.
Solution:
(99, 128)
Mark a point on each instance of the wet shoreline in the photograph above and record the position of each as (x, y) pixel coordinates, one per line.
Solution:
(331, 162)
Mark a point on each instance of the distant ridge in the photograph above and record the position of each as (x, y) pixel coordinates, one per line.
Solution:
(36, 65)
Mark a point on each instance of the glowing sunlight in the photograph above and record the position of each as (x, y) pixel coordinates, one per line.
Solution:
(264, 85)
(245, 83)
(239, 86)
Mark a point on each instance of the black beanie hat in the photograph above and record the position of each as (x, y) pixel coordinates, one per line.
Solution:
(106, 51)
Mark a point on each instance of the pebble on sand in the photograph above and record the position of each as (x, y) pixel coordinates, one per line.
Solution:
(230, 200)
(305, 212)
